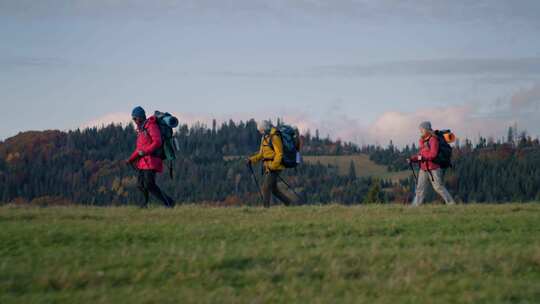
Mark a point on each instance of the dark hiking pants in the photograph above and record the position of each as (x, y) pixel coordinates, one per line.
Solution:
(270, 187)
(147, 185)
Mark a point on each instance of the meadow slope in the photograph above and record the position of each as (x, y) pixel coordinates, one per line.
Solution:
(364, 167)
(312, 254)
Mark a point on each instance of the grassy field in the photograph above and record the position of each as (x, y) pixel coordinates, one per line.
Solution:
(331, 254)
(364, 167)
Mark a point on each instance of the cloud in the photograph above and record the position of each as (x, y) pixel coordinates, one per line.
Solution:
(124, 119)
(402, 127)
(525, 98)
(302, 120)
(107, 119)
(503, 70)
(335, 124)
(38, 62)
(494, 12)
(465, 120)
(450, 66)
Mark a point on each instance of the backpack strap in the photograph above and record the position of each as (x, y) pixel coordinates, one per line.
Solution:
(270, 135)
(426, 141)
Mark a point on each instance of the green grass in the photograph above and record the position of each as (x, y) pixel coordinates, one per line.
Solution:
(333, 254)
(364, 167)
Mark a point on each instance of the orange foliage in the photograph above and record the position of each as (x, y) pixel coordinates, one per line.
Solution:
(44, 201)
(232, 200)
(42, 144)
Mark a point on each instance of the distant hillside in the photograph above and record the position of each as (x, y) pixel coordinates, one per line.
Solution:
(87, 167)
(363, 166)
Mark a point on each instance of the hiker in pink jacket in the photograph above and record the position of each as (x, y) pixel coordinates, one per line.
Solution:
(430, 172)
(146, 159)
(148, 142)
(429, 148)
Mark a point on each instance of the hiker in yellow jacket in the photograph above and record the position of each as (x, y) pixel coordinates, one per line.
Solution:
(271, 154)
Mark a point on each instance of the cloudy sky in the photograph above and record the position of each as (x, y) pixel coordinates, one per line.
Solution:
(366, 70)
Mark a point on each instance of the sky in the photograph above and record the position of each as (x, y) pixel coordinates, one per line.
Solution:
(367, 71)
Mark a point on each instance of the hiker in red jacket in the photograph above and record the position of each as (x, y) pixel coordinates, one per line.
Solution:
(429, 170)
(145, 158)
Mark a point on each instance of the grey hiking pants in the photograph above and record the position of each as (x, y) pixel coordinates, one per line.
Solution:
(270, 187)
(438, 185)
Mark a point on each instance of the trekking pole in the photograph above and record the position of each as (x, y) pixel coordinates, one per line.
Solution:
(256, 181)
(431, 174)
(428, 170)
(413, 173)
(290, 188)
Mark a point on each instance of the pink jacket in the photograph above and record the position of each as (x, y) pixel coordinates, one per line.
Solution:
(429, 149)
(148, 141)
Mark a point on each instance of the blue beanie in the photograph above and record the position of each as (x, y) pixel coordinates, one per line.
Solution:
(138, 112)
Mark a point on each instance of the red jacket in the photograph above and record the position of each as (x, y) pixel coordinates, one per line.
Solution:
(429, 148)
(148, 141)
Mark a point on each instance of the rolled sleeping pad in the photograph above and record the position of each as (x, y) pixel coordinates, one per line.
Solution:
(171, 121)
(449, 137)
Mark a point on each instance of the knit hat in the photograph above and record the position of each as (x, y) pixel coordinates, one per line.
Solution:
(426, 125)
(138, 112)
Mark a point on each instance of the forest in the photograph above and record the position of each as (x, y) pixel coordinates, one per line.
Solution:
(87, 167)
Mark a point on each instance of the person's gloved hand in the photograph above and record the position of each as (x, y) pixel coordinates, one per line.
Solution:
(130, 162)
(141, 153)
(132, 159)
(408, 160)
(419, 158)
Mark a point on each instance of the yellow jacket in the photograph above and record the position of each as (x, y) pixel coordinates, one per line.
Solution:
(272, 156)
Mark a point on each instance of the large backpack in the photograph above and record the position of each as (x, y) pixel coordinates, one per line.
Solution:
(290, 137)
(169, 145)
(444, 157)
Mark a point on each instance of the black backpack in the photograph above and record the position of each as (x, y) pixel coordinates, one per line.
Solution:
(444, 157)
(290, 137)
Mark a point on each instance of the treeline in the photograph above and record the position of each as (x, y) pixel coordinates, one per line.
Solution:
(395, 159)
(87, 166)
